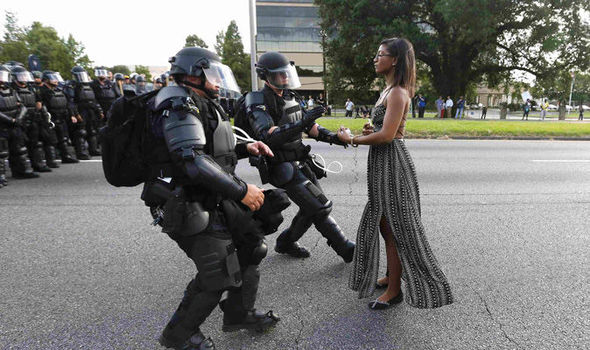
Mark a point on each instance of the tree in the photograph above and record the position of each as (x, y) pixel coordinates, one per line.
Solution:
(557, 87)
(231, 50)
(120, 69)
(194, 40)
(143, 70)
(55, 53)
(13, 47)
(461, 42)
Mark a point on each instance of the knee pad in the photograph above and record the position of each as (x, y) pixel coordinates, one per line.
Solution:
(81, 132)
(217, 263)
(258, 254)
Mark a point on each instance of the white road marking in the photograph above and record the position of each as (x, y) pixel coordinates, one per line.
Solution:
(561, 160)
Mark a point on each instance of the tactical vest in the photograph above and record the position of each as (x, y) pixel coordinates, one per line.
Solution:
(58, 103)
(27, 98)
(8, 102)
(85, 94)
(291, 113)
(224, 143)
(105, 93)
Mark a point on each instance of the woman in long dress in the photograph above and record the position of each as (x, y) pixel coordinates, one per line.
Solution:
(394, 199)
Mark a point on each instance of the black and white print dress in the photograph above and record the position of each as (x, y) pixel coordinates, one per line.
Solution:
(394, 194)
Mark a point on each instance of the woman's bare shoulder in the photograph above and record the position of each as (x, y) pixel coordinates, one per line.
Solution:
(398, 95)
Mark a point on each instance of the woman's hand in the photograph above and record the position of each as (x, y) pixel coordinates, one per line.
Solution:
(368, 129)
(343, 135)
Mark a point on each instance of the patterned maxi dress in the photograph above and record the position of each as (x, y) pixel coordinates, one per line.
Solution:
(394, 193)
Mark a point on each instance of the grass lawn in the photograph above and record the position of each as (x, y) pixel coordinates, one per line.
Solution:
(433, 128)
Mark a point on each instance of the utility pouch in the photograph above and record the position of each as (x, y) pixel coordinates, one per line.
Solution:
(262, 165)
(174, 214)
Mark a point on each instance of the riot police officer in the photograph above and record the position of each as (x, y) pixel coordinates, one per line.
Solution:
(87, 111)
(12, 139)
(276, 117)
(140, 84)
(56, 102)
(118, 87)
(195, 136)
(33, 123)
(103, 89)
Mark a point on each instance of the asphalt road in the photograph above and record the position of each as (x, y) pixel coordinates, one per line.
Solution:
(508, 221)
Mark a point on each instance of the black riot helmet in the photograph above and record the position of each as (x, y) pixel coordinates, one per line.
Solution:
(52, 78)
(21, 75)
(202, 63)
(37, 74)
(80, 75)
(140, 83)
(4, 75)
(119, 76)
(101, 72)
(277, 70)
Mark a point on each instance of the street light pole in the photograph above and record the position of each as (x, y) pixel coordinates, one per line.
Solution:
(253, 46)
(572, 87)
(323, 34)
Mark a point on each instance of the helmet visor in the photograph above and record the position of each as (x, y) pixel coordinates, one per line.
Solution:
(54, 77)
(82, 77)
(221, 75)
(284, 77)
(101, 73)
(24, 77)
(4, 76)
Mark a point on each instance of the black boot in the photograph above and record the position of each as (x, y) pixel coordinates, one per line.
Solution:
(196, 342)
(38, 159)
(291, 248)
(66, 158)
(287, 240)
(81, 148)
(93, 146)
(51, 156)
(20, 165)
(332, 232)
(234, 320)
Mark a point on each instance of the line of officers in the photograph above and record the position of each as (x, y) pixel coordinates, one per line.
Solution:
(40, 114)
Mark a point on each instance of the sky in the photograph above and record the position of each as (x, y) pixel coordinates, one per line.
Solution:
(133, 32)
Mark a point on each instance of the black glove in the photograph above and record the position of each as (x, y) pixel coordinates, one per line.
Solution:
(310, 117)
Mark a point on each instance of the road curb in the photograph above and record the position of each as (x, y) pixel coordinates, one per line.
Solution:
(524, 138)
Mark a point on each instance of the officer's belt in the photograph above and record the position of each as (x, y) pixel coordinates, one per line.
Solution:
(299, 152)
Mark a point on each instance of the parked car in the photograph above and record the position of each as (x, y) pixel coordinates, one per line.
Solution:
(552, 107)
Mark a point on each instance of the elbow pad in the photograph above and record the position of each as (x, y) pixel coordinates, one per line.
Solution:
(204, 170)
(325, 135)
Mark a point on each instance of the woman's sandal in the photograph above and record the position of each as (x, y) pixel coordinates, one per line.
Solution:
(380, 305)
(381, 286)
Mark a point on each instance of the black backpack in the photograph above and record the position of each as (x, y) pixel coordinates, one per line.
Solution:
(123, 161)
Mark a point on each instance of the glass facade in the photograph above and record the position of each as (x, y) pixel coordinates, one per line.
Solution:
(292, 27)
(288, 28)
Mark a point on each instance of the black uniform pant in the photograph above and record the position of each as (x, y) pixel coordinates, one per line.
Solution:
(62, 135)
(91, 126)
(219, 269)
(34, 142)
(314, 208)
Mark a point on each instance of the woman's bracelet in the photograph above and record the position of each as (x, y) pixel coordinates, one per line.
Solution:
(352, 142)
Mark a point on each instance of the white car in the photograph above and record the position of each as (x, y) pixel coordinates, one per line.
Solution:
(552, 107)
